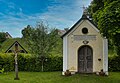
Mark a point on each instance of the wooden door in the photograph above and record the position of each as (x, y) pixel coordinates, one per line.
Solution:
(85, 59)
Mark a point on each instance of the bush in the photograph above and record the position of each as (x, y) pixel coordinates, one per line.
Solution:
(114, 63)
(2, 70)
(53, 64)
(6, 62)
(26, 62)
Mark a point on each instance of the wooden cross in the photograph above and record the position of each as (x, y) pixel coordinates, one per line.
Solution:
(16, 61)
(84, 7)
(85, 12)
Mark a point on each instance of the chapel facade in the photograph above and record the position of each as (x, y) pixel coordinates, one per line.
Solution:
(85, 50)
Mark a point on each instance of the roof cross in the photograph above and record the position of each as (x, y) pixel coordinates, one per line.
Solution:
(85, 12)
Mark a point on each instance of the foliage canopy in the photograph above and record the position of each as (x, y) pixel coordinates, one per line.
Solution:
(42, 40)
(2, 37)
(106, 13)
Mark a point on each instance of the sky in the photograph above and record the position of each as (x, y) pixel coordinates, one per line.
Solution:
(15, 15)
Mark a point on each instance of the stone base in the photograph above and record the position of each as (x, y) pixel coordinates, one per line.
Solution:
(97, 73)
(72, 72)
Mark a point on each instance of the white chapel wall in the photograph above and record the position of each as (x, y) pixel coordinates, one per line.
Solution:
(73, 46)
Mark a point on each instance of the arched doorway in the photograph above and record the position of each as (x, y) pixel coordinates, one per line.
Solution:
(85, 59)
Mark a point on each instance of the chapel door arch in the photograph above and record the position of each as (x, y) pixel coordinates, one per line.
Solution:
(85, 59)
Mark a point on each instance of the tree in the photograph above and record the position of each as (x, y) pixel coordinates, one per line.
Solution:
(107, 17)
(98, 5)
(2, 37)
(94, 8)
(27, 36)
(41, 40)
(109, 23)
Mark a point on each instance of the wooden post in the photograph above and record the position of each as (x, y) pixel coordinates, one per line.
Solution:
(16, 62)
(42, 65)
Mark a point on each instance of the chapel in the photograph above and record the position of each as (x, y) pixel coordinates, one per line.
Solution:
(85, 50)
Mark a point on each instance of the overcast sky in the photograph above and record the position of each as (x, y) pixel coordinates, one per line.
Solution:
(15, 15)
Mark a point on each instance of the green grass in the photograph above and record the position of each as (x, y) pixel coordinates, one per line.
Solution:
(56, 77)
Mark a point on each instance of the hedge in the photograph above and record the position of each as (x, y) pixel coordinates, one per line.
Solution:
(26, 62)
(6, 62)
(114, 63)
(54, 63)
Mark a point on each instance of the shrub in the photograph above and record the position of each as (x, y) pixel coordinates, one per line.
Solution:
(2, 70)
(114, 63)
(53, 64)
(26, 62)
(6, 62)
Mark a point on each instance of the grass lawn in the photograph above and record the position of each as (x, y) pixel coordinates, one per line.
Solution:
(56, 77)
